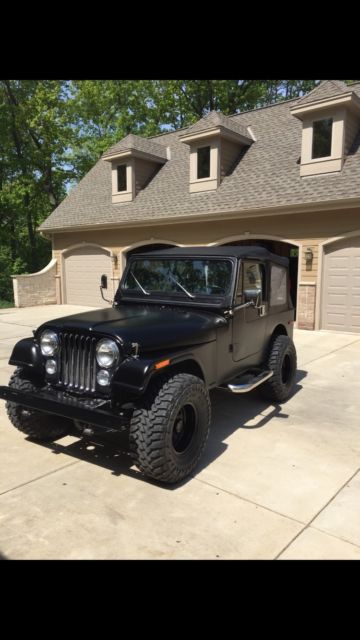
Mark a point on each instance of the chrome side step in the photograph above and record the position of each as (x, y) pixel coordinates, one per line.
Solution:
(249, 386)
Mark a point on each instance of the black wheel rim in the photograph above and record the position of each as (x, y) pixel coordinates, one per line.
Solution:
(184, 428)
(286, 370)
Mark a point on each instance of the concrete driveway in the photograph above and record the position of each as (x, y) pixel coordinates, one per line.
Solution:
(275, 481)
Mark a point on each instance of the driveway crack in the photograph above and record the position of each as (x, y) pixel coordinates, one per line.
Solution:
(317, 514)
(44, 475)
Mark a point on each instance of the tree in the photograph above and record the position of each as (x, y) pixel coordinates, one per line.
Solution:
(34, 134)
(53, 131)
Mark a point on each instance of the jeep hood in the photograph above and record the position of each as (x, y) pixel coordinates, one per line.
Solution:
(154, 327)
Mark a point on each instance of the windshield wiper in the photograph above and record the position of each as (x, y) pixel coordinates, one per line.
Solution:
(180, 285)
(139, 285)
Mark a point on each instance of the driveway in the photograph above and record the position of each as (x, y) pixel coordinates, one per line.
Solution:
(275, 481)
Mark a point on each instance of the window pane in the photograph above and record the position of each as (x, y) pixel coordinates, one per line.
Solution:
(322, 130)
(278, 286)
(254, 278)
(197, 276)
(203, 167)
(121, 177)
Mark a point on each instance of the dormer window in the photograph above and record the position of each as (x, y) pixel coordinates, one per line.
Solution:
(134, 163)
(216, 143)
(203, 162)
(121, 177)
(330, 116)
(322, 137)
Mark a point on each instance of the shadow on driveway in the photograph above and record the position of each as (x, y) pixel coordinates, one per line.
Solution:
(229, 413)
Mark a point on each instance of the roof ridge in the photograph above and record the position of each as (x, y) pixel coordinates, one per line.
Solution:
(339, 83)
(216, 118)
(324, 93)
(232, 115)
(321, 83)
(139, 143)
(239, 113)
(266, 106)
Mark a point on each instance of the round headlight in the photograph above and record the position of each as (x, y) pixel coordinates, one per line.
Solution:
(103, 378)
(48, 343)
(50, 366)
(107, 353)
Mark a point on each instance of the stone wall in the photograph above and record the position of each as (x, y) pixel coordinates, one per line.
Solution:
(306, 306)
(36, 288)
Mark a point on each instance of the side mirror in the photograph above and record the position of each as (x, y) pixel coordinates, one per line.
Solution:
(103, 285)
(254, 296)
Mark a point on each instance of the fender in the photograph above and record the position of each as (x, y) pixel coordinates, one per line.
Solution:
(134, 374)
(26, 353)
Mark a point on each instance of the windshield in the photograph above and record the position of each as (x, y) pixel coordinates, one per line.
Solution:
(185, 277)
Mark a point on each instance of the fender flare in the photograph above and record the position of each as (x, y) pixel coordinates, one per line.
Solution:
(26, 353)
(134, 374)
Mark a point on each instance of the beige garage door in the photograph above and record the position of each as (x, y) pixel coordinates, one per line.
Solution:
(341, 303)
(83, 268)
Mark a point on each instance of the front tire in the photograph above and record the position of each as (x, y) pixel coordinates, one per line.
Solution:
(168, 432)
(37, 425)
(282, 361)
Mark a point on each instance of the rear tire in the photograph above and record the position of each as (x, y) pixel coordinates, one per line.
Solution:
(36, 425)
(282, 361)
(168, 432)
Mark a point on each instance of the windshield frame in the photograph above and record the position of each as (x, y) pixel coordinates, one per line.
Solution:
(180, 298)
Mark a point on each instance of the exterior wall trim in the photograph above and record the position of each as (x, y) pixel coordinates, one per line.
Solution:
(88, 244)
(142, 243)
(313, 207)
(320, 273)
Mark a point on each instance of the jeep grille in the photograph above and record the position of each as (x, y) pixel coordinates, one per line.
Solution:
(77, 367)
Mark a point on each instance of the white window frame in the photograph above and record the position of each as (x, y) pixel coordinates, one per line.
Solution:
(213, 181)
(128, 195)
(329, 164)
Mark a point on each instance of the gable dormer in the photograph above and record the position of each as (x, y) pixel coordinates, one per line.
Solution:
(330, 114)
(134, 161)
(216, 142)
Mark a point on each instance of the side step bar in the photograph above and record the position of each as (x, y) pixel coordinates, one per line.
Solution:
(249, 386)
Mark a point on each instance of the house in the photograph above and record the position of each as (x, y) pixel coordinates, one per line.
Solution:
(286, 177)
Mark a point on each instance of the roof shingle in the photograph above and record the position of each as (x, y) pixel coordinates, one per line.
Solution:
(326, 89)
(217, 119)
(136, 143)
(267, 176)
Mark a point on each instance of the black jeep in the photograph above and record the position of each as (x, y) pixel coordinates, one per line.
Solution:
(183, 321)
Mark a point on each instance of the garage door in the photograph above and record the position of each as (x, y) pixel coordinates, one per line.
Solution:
(83, 268)
(341, 303)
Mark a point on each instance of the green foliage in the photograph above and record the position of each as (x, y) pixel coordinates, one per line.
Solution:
(104, 111)
(53, 131)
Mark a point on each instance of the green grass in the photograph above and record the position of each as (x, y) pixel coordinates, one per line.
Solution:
(5, 304)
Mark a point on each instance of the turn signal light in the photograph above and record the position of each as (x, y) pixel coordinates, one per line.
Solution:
(163, 363)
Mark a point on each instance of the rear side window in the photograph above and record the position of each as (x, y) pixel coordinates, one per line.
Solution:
(278, 288)
(254, 277)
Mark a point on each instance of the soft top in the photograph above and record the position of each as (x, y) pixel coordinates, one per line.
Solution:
(249, 252)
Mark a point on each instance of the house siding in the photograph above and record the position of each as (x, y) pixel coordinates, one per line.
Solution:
(352, 127)
(143, 172)
(228, 154)
(307, 230)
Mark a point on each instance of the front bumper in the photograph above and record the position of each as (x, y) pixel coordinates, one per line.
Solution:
(95, 411)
